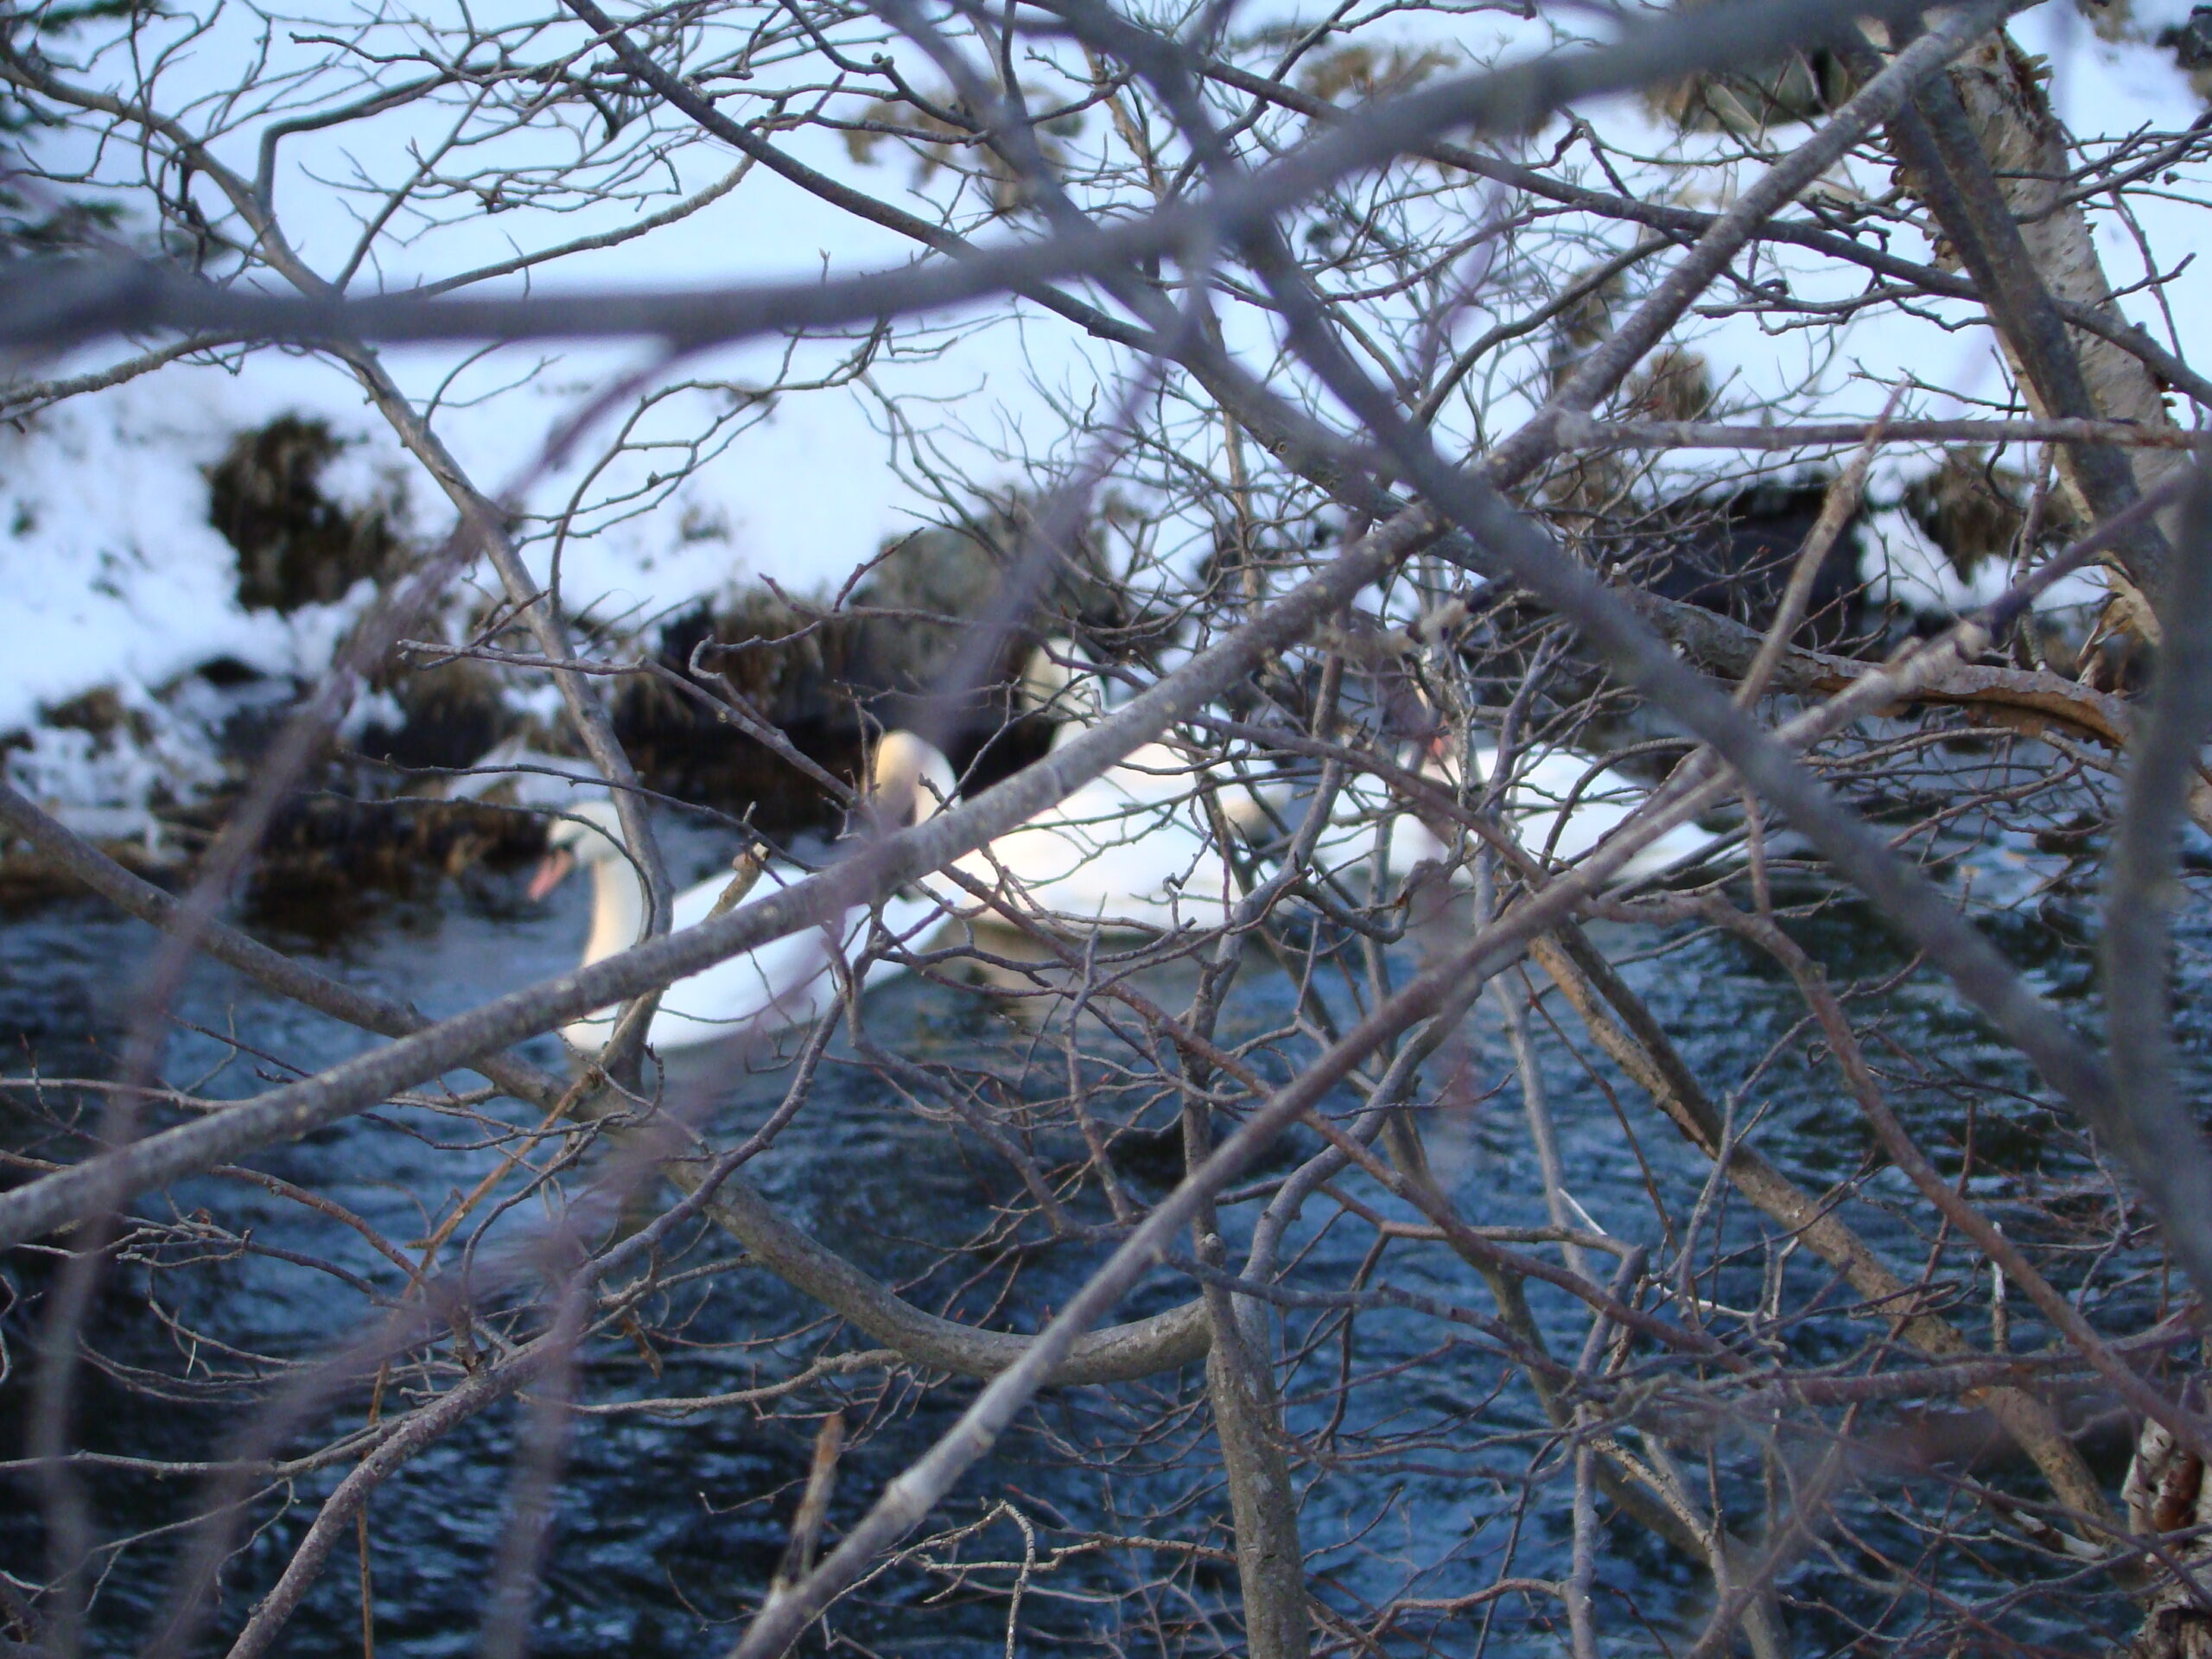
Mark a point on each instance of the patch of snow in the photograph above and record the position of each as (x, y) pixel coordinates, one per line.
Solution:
(1901, 566)
(539, 705)
(119, 588)
(114, 575)
(516, 774)
(104, 778)
(371, 709)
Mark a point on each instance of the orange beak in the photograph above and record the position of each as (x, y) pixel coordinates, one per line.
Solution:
(550, 872)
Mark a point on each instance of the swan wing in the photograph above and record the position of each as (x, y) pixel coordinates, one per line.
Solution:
(785, 982)
(1108, 857)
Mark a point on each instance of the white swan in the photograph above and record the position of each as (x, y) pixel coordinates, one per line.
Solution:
(1561, 804)
(1128, 851)
(1556, 802)
(1062, 683)
(785, 982)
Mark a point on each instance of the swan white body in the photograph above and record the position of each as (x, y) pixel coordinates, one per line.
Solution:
(1136, 833)
(1128, 852)
(1124, 853)
(786, 982)
(1557, 806)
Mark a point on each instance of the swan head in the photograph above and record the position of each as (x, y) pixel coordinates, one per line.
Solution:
(590, 833)
(911, 781)
(1061, 682)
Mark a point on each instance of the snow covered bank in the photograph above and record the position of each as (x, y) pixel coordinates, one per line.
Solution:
(129, 652)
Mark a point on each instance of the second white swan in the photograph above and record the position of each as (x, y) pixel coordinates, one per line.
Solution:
(786, 982)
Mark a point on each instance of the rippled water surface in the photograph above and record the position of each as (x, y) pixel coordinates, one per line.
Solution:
(667, 1526)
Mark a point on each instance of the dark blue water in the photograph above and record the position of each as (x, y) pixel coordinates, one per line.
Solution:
(1439, 1479)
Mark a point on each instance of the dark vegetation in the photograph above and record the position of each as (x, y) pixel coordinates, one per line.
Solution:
(297, 545)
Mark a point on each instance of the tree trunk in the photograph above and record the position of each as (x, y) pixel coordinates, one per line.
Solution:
(1270, 1561)
(1994, 142)
(2166, 1491)
(2001, 96)
(2003, 92)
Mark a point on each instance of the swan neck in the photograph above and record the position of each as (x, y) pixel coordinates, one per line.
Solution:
(618, 908)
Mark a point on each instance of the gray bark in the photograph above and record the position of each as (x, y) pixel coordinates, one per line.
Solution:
(1988, 159)
(1248, 1422)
